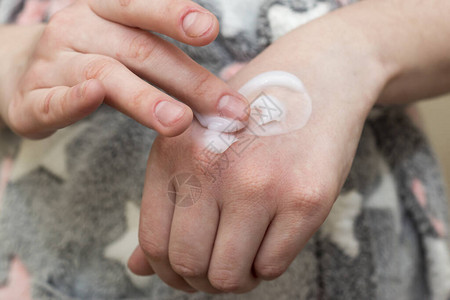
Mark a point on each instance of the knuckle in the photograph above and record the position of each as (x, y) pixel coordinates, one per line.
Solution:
(264, 182)
(315, 199)
(256, 191)
(187, 270)
(312, 201)
(53, 108)
(124, 3)
(253, 182)
(185, 265)
(139, 99)
(59, 20)
(44, 110)
(200, 83)
(99, 68)
(152, 249)
(269, 271)
(141, 47)
(225, 281)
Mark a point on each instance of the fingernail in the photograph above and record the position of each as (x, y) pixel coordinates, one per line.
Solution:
(233, 107)
(196, 24)
(224, 124)
(168, 113)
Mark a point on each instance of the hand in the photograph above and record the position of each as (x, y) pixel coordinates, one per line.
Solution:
(92, 51)
(264, 204)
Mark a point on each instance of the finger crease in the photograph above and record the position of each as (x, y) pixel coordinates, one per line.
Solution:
(48, 99)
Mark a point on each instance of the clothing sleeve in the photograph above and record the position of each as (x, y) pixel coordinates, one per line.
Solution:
(27, 12)
(9, 9)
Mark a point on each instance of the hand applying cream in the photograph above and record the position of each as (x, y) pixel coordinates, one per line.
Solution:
(279, 104)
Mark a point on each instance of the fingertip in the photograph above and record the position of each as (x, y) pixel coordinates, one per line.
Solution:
(95, 89)
(91, 94)
(211, 35)
(183, 124)
(246, 114)
(199, 26)
(234, 106)
(138, 264)
(173, 118)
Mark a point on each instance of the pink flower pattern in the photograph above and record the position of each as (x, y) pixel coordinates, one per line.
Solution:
(18, 286)
(5, 173)
(420, 193)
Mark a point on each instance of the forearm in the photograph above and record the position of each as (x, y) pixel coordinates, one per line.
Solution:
(341, 73)
(349, 58)
(412, 40)
(16, 48)
(337, 63)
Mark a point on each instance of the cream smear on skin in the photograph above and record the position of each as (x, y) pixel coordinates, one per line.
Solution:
(279, 104)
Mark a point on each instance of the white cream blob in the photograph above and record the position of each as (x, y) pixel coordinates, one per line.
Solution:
(213, 141)
(219, 123)
(279, 104)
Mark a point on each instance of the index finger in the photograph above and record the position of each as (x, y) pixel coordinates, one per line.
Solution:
(182, 20)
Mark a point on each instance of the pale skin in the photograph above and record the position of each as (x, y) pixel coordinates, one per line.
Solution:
(54, 75)
(251, 223)
(256, 217)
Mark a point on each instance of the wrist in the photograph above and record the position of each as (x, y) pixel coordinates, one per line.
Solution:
(412, 45)
(358, 43)
(342, 73)
(338, 62)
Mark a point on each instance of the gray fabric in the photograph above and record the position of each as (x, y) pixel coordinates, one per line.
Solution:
(9, 9)
(60, 223)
